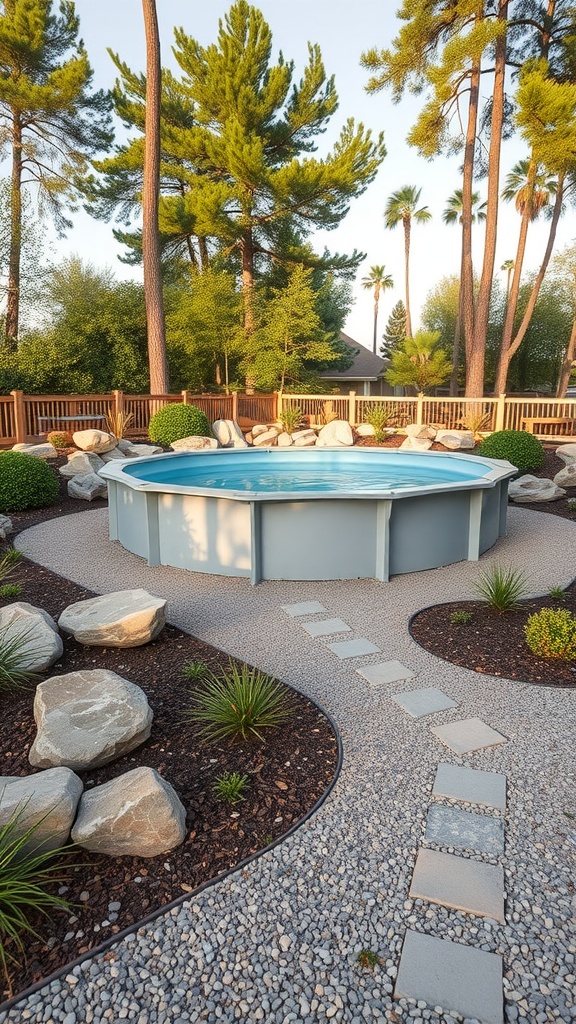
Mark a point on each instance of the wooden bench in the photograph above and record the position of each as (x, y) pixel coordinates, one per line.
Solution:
(531, 422)
(82, 420)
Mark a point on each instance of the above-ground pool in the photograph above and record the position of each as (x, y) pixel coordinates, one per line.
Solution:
(307, 513)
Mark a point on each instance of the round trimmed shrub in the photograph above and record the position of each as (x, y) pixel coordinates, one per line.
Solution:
(176, 421)
(519, 447)
(551, 633)
(60, 439)
(25, 482)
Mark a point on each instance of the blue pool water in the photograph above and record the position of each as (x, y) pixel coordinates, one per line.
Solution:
(306, 470)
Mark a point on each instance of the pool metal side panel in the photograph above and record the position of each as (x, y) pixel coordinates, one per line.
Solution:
(429, 531)
(131, 520)
(491, 516)
(205, 534)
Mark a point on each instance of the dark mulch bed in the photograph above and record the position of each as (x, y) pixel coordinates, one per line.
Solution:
(287, 775)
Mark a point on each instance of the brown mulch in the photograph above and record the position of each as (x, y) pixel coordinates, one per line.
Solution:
(287, 775)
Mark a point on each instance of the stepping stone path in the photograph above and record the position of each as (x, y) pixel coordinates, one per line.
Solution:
(353, 648)
(449, 826)
(326, 627)
(461, 884)
(385, 672)
(471, 785)
(304, 608)
(423, 702)
(468, 735)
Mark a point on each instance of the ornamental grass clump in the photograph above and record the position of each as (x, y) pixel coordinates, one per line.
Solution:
(522, 449)
(25, 482)
(502, 588)
(238, 705)
(378, 417)
(17, 651)
(230, 787)
(291, 418)
(175, 421)
(551, 633)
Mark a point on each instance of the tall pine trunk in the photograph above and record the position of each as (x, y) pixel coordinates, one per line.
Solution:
(376, 302)
(13, 300)
(466, 300)
(407, 225)
(247, 252)
(150, 196)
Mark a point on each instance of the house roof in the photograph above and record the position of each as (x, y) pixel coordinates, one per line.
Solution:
(366, 365)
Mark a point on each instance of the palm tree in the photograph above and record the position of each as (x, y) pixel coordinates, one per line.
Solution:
(150, 196)
(378, 281)
(508, 266)
(453, 215)
(401, 207)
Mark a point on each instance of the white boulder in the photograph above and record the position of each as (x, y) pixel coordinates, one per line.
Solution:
(304, 438)
(125, 618)
(94, 440)
(284, 440)
(532, 488)
(566, 477)
(418, 444)
(87, 487)
(138, 814)
(196, 443)
(41, 451)
(228, 434)
(6, 527)
(567, 452)
(46, 801)
(337, 433)
(269, 437)
(88, 718)
(259, 428)
(41, 642)
(455, 439)
(365, 430)
(420, 430)
(141, 451)
(80, 464)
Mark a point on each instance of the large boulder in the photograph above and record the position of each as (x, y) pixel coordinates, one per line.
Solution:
(6, 527)
(94, 440)
(566, 477)
(196, 443)
(88, 718)
(113, 455)
(141, 451)
(420, 430)
(532, 488)
(41, 643)
(228, 434)
(87, 487)
(125, 618)
(417, 444)
(284, 440)
(337, 434)
(80, 464)
(41, 451)
(265, 439)
(138, 814)
(304, 438)
(46, 801)
(567, 452)
(365, 430)
(455, 439)
(259, 428)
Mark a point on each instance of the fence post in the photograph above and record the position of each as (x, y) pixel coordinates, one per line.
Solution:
(186, 398)
(19, 416)
(419, 408)
(234, 416)
(500, 412)
(277, 405)
(118, 403)
(352, 408)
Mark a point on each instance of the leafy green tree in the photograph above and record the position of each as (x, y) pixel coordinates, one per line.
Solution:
(395, 330)
(50, 119)
(401, 208)
(420, 363)
(33, 250)
(376, 281)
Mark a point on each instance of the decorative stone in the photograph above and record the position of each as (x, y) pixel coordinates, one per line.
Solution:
(138, 814)
(80, 464)
(228, 434)
(124, 445)
(567, 476)
(125, 618)
(456, 439)
(41, 642)
(326, 627)
(304, 608)
(566, 452)
(284, 440)
(88, 718)
(420, 430)
(353, 648)
(94, 440)
(468, 735)
(6, 527)
(423, 702)
(451, 826)
(458, 883)
(337, 433)
(196, 443)
(259, 428)
(87, 487)
(419, 444)
(473, 785)
(142, 451)
(41, 451)
(269, 437)
(304, 438)
(365, 430)
(532, 488)
(113, 455)
(47, 800)
(385, 672)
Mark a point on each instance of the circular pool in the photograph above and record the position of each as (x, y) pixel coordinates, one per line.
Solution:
(307, 513)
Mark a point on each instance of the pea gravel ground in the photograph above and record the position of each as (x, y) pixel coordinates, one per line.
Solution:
(279, 941)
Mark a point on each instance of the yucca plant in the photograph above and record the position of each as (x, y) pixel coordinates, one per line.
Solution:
(378, 417)
(8, 563)
(117, 422)
(230, 787)
(476, 420)
(291, 418)
(25, 875)
(502, 587)
(238, 704)
(17, 650)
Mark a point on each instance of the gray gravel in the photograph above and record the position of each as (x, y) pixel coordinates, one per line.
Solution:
(279, 941)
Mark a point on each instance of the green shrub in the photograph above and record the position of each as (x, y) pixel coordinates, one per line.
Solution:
(502, 588)
(519, 447)
(460, 618)
(60, 439)
(230, 787)
(551, 633)
(176, 421)
(238, 705)
(25, 482)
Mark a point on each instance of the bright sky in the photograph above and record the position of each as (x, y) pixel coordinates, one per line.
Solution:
(343, 29)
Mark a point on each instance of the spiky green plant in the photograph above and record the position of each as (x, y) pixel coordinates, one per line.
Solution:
(8, 563)
(17, 649)
(10, 591)
(460, 618)
(291, 418)
(557, 593)
(230, 787)
(379, 418)
(238, 704)
(195, 669)
(502, 587)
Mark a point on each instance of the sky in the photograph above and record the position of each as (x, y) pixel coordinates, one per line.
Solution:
(343, 30)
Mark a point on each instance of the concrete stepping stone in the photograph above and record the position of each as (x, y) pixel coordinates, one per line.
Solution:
(303, 608)
(451, 826)
(423, 702)
(460, 884)
(467, 735)
(472, 785)
(353, 648)
(451, 975)
(385, 672)
(325, 627)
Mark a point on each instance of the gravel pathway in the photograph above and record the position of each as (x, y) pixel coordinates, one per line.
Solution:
(279, 941)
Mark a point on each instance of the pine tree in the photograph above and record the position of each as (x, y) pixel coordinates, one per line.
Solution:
(49, 118)
(395, 330)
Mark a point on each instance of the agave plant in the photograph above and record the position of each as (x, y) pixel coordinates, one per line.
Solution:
(238, 704)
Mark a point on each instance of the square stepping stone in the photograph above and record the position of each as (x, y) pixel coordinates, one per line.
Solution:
(467, 735)
(325, 627)
(354, 648)
(461, 884)
(385, 672)
(304, 608)
(451, 975)
(472, 785)
(451, 826)
(423, 702)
